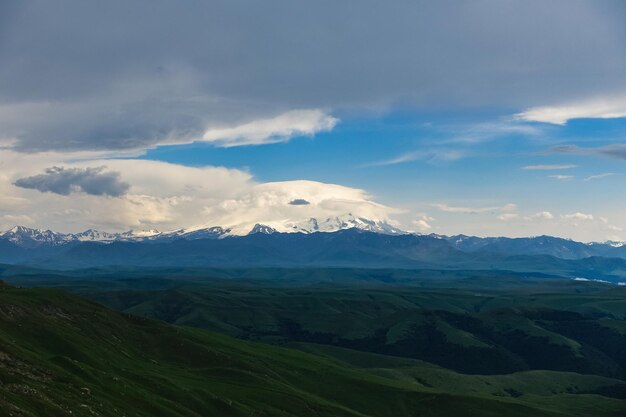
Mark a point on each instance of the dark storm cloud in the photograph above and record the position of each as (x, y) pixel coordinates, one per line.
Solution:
(64, 181)
(299, 202)
(616, 150)
(116, 75)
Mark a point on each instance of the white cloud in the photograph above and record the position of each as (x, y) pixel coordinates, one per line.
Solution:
(20, 219)
(169, 196)
(432, 155)
(548, 167)
(162, 179)
(474, 210)
(599, 176)
(484, 132)
(268, 203)
(507, 216)
(578, 216)
(272, 130)
(423, 223)
(542, 215)
(597, 108)
(561, 177)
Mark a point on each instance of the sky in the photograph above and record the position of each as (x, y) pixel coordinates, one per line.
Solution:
(483, 117)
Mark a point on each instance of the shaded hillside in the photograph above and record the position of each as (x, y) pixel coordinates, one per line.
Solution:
(63, 356)
(472, 331)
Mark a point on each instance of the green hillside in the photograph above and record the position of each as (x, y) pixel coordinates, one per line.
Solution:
(558, 390)
(61, 356)
(486, 331)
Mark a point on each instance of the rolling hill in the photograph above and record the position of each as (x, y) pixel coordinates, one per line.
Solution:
(470, 331)
(61, 355)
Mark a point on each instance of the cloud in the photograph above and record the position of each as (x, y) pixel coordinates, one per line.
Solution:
(266, 203)
(168, 196)
(77, 76)
(277, 129)
(299, 202)
(548, 167)
(437, 156)
(459, 139)
(542, 215)
(64, 181)
(162, 179)
(432, 156)
(577, 216)
(17, 219)
(484, 132)
(423, 223)
(598, 108)
(599, 176)
(507, 216)
(474, 210)
(615, 151)
(561, 177)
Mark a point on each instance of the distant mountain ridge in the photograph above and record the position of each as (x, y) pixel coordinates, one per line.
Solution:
(356, 244)
(29, 237)
(537, 245)
(26, 236)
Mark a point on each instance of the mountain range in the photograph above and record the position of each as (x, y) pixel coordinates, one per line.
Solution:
(29, 237)
(537, 245)
(352, 247)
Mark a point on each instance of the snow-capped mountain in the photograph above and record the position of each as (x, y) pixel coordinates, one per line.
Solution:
(562, 248)
(214, 232)
(311, 225)
(22, 243)
(612, 243)
(332, 224)
(27, 237)
(139, 234)
(263, 229)
(92, 235)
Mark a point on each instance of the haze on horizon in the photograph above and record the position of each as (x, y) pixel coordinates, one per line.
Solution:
(476, 117)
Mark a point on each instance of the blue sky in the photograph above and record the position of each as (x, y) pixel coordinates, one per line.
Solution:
(487, 118)
(415, 161)
(363, 151)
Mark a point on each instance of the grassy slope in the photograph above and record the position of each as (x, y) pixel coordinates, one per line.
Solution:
(561, 391)
(473, 331)
(61, 355)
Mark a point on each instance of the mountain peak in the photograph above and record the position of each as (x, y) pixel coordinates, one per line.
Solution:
(24, 230)
(348, 221)
(612, 243)
(141, 233)
(25, 236)
(263, 229)
(213, 232)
